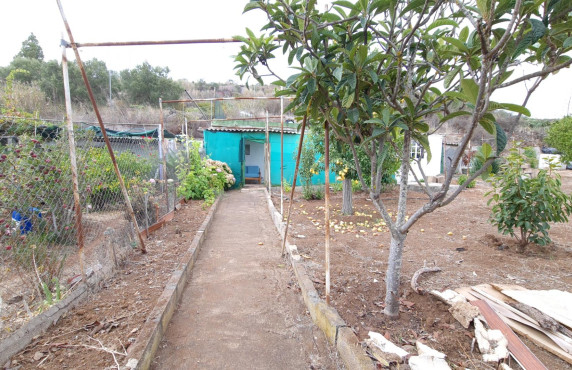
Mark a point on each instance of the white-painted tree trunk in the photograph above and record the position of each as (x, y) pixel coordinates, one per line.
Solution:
(393, 274)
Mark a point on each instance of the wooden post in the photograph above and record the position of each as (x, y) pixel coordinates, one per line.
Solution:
(102, 127)
(73, 163)
(327, 210)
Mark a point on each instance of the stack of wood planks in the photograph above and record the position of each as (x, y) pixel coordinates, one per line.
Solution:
(543, 316)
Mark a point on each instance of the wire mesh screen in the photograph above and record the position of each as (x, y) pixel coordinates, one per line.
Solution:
(39, 237)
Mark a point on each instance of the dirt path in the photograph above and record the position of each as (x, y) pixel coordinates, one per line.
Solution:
(242, 308)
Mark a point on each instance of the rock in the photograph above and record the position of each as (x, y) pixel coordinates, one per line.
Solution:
(464, 312)
(38, 356)
(388, 348)
(492, 343)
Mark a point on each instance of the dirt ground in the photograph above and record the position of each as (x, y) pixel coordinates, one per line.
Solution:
(457, 238)
(98, 332)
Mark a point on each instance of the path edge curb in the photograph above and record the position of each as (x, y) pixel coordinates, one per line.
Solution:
(141, 352)
(325, 317)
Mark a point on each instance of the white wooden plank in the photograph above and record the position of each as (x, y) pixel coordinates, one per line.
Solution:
(554, 303)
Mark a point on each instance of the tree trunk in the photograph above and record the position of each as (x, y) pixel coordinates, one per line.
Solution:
(347, 204)
(393, 274)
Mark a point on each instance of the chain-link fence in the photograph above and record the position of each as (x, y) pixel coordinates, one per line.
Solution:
(39, 239)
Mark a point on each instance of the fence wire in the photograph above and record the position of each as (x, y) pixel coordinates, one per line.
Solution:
(39, 238)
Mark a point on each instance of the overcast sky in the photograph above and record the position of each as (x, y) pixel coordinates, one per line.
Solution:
(130, 20)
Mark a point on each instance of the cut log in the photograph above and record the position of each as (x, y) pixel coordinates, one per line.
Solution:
(519, 350)
(416, 276)
(544, 321)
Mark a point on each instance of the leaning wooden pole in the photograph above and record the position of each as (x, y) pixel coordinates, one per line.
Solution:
(327, 210)
(294, 181)
(73, 163)
(102, 127)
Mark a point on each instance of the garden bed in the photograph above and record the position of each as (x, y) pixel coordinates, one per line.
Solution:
(456, 238)
(110, 320)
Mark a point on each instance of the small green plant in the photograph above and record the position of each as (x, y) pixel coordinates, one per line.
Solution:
(530, 155)
(313, 192)
(287, 187)
(523, 207)
(463, 179)
(337, 186)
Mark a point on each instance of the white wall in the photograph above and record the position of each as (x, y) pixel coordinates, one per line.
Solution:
(432, 168)
(543, 161)
(256, 157)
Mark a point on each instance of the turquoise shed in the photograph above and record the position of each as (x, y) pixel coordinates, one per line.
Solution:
(243, 145)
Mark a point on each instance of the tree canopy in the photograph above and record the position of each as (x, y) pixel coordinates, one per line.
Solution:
(31, 49)
(375, 71)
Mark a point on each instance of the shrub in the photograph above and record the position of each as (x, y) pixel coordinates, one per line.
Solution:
(204, 178)
(523, 207)
(463, 179)
(560, 137)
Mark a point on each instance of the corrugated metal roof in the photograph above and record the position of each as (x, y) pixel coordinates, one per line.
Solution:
(250, 129)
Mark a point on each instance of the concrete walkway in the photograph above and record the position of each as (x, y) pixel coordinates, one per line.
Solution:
(242, 308)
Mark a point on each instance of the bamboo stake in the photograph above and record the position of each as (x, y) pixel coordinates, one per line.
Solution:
(268, 154)
(294, 180)
(73, 163)
(163, 155)
(102, 127)
(327, 210)
(282, 157)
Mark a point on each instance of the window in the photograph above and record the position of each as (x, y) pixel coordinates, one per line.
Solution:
(417, 151)
(247, 149)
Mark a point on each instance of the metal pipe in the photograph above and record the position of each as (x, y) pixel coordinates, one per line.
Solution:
(73, 163)
(147, 43)
(233, 119)
(218, 99)
(103, 132)
(294, 180)
(327, 210)
(198, 106)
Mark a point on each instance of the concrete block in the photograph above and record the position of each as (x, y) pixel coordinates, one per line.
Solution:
(351, 351)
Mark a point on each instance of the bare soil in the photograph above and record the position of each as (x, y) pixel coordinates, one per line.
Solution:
(457, 238)
(96, 334)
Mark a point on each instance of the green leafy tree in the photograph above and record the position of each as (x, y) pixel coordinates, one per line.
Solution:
(145, 84)
(31, 49)
(33, 66)
(524, 207)
(560, 137)
(374, 71)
